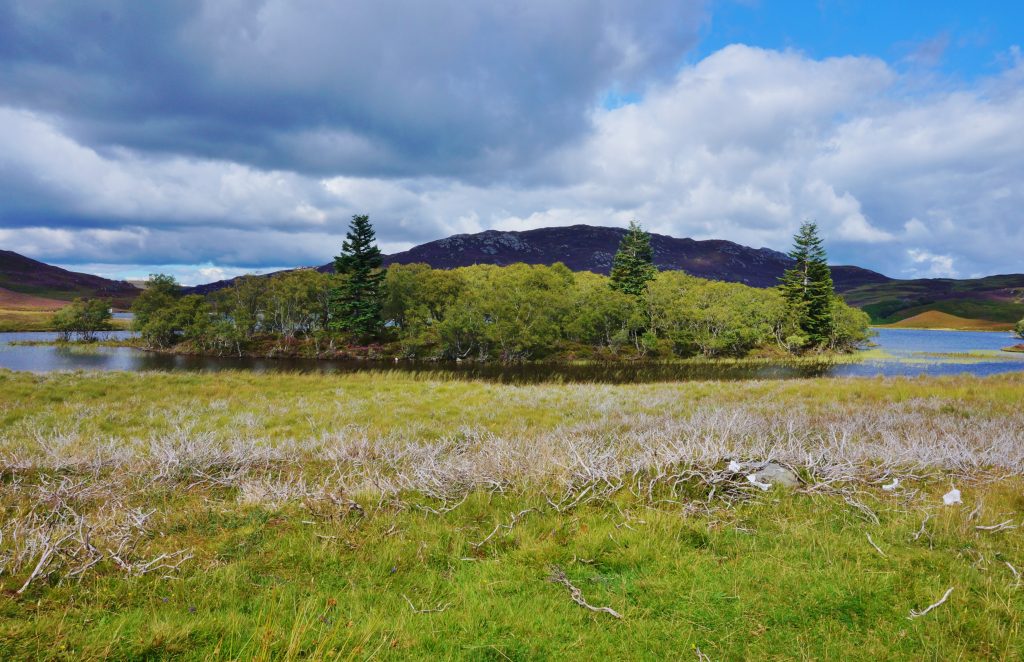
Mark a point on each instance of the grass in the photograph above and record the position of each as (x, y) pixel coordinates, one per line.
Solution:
(25, 320)
(40, 320)
(382, 516)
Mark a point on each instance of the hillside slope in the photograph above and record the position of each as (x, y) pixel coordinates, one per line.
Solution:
(993, 298)
(934, 319)
(27, 276)
(592, 248)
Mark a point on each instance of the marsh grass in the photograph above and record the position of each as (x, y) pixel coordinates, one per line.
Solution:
(25, 320)
(393, 516)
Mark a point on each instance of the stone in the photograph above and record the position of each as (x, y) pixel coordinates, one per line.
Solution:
(776, 474)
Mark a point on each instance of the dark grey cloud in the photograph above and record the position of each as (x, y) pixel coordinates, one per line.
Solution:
(391, 87)
(224, 136)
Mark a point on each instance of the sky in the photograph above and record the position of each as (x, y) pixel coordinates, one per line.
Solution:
(210, 138)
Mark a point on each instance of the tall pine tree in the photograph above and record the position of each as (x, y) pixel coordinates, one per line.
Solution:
(808, 287)
(357, 301)
(633, 266)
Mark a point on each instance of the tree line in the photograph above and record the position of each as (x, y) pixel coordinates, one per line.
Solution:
(512, 313)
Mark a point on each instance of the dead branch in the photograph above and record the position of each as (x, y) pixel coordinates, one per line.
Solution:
(508, 527)
(437, 610)
(558, 577)
(877, 548)
(917, 614)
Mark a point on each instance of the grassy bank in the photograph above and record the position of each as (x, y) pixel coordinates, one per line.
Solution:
(25, 320)
(16, 321)
(377, 515)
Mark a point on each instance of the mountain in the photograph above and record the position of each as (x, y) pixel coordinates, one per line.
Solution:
(27, 276)
(590, 248)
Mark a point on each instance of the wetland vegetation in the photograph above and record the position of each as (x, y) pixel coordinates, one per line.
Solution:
(380, 515)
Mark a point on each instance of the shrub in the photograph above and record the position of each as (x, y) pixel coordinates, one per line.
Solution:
(82, 318)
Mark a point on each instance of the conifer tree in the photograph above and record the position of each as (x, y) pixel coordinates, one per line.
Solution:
(808, 287)
(633, 265)
(357, 301)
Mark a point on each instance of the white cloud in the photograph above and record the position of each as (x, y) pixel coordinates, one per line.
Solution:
(742, 145)
(930, 265)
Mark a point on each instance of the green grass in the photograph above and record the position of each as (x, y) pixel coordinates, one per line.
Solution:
(130, 406)
(786, 576)
(25, 320)
(298, 573)
(40, 320)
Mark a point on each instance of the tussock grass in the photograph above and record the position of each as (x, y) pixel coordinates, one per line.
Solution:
(233, 515)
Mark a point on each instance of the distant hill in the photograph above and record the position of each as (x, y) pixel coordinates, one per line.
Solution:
(993, 298)
(590, 248)
(27, 276)
(934, 319)
(10, 300)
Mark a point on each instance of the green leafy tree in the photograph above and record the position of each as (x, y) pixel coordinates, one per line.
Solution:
(601, 317)
(359, 298)
(633, 266)
(82, 318)
(153, 311)
(808, 288)
(850, 328)
(1019, 329)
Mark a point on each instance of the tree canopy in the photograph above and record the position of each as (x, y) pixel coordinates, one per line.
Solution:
(358, 297)
(808, 288)
(485, 312)
(82, 318)
(633, 265)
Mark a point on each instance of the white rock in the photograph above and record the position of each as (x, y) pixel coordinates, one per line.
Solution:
(892, 486)
(753, 481)
(776, 474)
(734, 466)
(951, 497)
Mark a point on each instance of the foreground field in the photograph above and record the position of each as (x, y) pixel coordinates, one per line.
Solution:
(238, 516)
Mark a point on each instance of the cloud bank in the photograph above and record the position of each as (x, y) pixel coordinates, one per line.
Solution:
(232, 136)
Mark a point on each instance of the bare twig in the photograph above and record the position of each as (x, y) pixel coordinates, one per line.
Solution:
(558, 577)
(437, 610)
(922, 531)
(917, 614)
(508, 527)
(877, 548)
(1016, 575)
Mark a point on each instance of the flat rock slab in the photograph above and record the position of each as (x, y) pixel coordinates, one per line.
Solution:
(776, 474)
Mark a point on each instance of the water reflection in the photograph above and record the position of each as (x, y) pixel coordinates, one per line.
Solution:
(911, 353)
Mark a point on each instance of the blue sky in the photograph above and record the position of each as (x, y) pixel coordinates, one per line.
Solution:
(962, 39)
(209, 138)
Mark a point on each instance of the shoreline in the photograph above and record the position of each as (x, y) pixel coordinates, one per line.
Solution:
(368, 354)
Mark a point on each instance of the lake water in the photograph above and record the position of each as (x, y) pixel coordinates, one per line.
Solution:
(899, 352)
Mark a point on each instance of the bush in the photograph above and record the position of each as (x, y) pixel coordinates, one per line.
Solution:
(82, 318)
(1019, 329)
